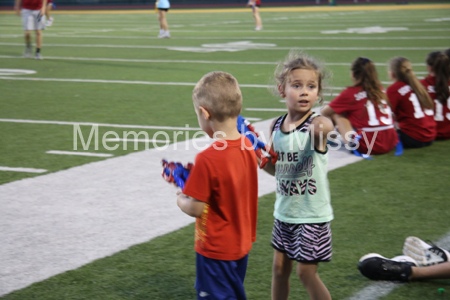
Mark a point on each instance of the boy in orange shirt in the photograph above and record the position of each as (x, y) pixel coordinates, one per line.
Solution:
(222, 191)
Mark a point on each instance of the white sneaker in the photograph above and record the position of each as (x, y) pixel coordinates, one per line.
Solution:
(164, 35)
(38, 56)
(27, 53)
(258, 28)
(423, 253)
(49, 22)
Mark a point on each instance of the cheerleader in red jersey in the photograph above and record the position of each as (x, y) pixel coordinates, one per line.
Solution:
(364, 108)
(412, 106)
(256, 4)
(437, 84)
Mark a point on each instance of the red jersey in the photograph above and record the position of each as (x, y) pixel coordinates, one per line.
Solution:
(367, 120)
(412, 119)
(32, 4)
(226, 180)
(441, 112)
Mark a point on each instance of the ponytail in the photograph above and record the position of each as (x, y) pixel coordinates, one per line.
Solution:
(402, 70)
(366, 76)
(440, 65)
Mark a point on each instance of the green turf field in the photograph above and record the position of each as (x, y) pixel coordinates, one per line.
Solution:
(111, 69)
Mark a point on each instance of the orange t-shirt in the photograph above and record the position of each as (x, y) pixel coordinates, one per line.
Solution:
(226, 180)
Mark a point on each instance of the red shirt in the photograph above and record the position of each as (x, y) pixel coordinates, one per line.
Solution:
(441, 112)
(32, 4)
(412, 119)
(226, 180)
(367, 120)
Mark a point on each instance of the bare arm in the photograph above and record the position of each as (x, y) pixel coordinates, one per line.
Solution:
(17, 4)
(341, 122)
(320, 127)
(44, 7)
(269, 167)
(189, 205)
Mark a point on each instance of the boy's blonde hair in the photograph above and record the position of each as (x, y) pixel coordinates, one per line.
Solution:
(219, 92)
(297, 60)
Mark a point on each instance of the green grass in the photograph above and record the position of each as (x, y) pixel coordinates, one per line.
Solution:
(377, 203)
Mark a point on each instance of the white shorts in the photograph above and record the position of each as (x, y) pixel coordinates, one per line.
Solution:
(32, 20)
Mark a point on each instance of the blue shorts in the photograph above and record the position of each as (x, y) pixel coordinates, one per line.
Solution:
(220, 279)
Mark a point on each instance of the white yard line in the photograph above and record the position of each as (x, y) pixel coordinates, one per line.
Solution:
(252, 49)
(267, 109)
(187, 128)
(132, 82)
(184, 61)
(127, 37)
(24, 170)
(79, 153)
(135, 140)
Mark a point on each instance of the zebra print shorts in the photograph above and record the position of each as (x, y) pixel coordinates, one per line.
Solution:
(303, 242)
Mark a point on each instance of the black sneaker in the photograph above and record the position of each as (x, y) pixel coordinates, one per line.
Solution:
(377, 267)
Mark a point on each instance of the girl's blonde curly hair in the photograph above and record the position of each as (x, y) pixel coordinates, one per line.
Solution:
(298, 60)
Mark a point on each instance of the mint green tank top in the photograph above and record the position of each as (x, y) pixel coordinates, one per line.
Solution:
(303, 193)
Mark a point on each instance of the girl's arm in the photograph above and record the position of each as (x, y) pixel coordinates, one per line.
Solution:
(269, 168)
(189, 205)
(340, 121)
(320, 127)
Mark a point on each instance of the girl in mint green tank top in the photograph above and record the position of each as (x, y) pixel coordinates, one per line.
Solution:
(302, 207)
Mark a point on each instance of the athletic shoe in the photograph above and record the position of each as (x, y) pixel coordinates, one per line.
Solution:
(38, 56)
(49, 22)
(164, 35)
(258, 28)
(27, 52)
(377, 267)
(423, 253)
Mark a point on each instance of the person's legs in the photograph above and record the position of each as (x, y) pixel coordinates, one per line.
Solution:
(440, 271)
(162, 20)
(281, 270)
(164, 27)
(311, 281)
(28, 37)
(258, 22)
(38, 39)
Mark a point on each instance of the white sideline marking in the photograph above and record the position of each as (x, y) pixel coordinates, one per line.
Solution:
(134, 82)
(25, 170)
(266, 109)
(16, 72)
(136, 140)
(187, 61)
(375, 290)
(99, 124)
(79, 153)
(256, 48)
(245, 38)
